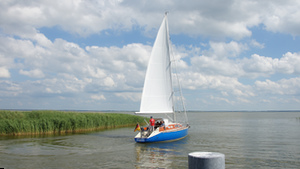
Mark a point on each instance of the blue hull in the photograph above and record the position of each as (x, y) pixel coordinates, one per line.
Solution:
(165, 136)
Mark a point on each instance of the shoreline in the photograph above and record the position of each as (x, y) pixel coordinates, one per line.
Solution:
(65, 132)
(41, 122)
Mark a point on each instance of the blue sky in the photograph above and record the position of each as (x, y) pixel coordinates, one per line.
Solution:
(92, 55)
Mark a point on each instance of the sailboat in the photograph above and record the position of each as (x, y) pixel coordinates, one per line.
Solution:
(159, 96)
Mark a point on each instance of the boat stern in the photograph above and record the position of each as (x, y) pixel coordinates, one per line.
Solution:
(145, 136)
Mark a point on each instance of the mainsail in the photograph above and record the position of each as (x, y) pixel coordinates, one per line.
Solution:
(157, 93)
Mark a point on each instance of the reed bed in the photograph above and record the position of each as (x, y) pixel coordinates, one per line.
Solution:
(49, 122)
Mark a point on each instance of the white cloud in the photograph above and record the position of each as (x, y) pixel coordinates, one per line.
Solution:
(75, 16)
(221, 99)
(67, 71)
(211, 65)
(244, 100)
(48, 90)
(133, 96)
(36, 73)
(5, 62)
(265, 66)
(296, 100)
(4, 73)
(9, 89)
(281, 17)
(259, 64)
(108, 81)
(220, 58)
(231, 49)
(98, 97)
(255, 66)
(226, 85)
(257, 44)
(282, 87)
(289, 63)
(106, 63)
(95, 72)
(126, 65)
(211, 18)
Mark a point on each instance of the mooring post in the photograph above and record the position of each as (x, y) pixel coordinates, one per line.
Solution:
(206, 160)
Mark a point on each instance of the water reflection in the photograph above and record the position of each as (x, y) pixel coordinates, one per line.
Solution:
(160, 155)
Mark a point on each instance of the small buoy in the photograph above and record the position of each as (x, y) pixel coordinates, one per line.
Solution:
(206, 160)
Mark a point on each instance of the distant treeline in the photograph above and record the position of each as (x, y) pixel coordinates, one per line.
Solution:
(48, 122)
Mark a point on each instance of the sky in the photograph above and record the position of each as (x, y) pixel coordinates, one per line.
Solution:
(92, 54)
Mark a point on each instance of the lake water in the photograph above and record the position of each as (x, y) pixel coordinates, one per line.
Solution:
(248, 140)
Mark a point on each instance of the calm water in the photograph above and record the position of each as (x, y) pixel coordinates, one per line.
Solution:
(248, 140)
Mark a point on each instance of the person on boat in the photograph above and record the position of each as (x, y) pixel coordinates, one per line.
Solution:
(163, 124)
(152, 124)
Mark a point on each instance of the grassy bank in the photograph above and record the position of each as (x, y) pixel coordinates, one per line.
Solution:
(48, 122)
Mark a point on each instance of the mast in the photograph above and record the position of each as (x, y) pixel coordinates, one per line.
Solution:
(170, 62)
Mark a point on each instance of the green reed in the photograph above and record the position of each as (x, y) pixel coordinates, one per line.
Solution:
(42, 122)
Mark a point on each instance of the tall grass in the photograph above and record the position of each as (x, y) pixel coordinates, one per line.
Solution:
(42, 122)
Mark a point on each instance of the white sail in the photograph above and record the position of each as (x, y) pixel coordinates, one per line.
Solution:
(157, 92)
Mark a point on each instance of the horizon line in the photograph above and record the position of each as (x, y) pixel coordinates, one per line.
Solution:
(82, 110)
